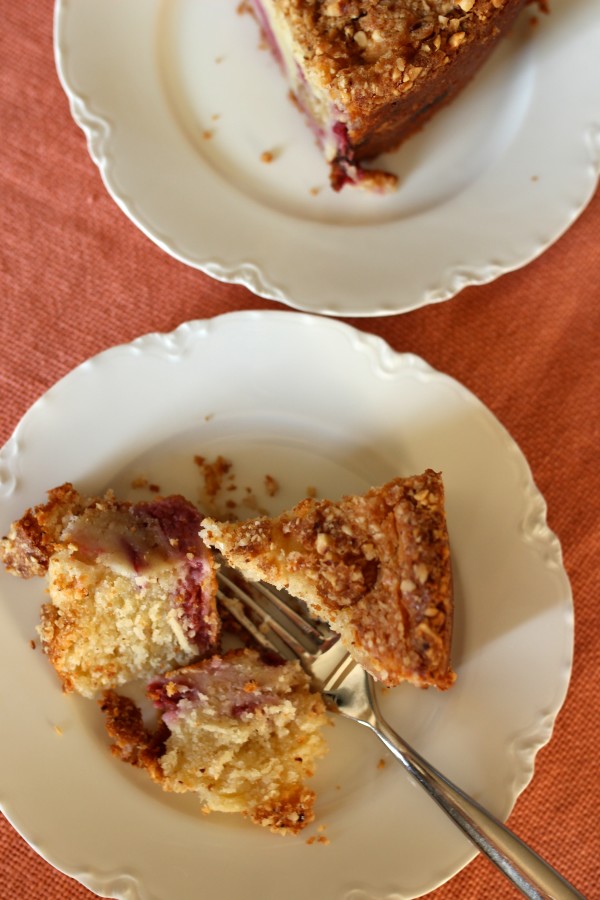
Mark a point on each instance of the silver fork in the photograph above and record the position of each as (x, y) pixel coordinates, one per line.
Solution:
(273, 620)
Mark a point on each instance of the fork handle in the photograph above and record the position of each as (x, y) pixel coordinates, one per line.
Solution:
(533, 876)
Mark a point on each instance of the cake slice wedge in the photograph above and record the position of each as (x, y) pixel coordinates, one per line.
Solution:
(375, 566)
(240, 731)
(369, 73)
(132, 587)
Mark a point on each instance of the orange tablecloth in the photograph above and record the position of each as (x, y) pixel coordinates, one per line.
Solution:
(76, 277)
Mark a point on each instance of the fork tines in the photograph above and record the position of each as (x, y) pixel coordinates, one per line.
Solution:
(268, 616)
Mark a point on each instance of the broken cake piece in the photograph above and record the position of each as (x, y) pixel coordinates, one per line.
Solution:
(132, 587)
(375, 567)
(369, 73)
(240, 731)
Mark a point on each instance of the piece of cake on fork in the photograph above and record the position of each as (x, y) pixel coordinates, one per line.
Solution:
(375, 566)
(132, 587)
(369, 73)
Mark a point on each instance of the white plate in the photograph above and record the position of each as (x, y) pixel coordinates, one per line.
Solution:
(488, 185)
(313, 403)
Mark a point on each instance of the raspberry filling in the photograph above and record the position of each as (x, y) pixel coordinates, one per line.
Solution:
(227, 686)
(142, 540)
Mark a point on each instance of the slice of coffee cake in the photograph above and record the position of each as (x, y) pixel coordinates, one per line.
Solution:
(132, 587)
(376, 567)
(369, 73)
(240, 731)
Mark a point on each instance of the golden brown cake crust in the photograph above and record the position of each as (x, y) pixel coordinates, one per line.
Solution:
(376, 567)
(133, 742)
(31, 541)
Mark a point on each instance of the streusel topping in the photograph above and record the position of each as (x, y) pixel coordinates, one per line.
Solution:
(379, 48)
(376, 567)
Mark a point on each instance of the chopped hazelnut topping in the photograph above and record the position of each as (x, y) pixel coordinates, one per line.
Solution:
(421, 572)
(322, 543)
(456, 39)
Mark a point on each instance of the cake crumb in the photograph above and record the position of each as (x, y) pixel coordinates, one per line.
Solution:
(208, 134)
(314, 191)
(311, 491)
(267, 156)
(213, 473)
(138, 483)
(155, 488)
(271, 485)
(32, 644)
(58, 730)
(381, 764)
(319, 838)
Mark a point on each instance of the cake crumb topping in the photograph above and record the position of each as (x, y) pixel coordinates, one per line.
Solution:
(376, 567)
(377, 49)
